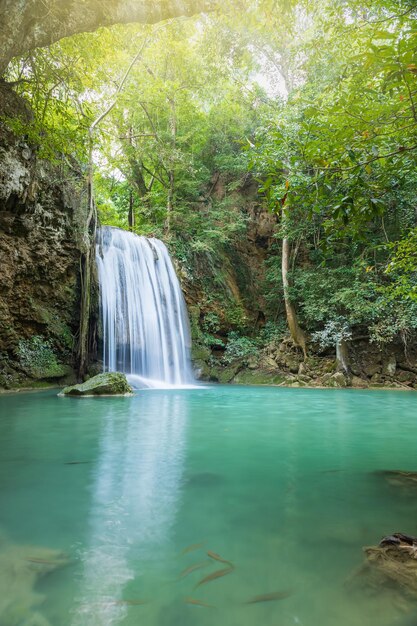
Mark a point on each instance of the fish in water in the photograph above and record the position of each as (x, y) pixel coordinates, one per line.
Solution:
(76, 462)
(193, 568)
(192, 548)
(217, 557)
(41, 561)
(198, 603)
(270, 597)
(214, 575)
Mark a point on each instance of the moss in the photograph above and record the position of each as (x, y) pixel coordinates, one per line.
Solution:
(202, 370)
(227, 374)
(200, 352)
(105, 384)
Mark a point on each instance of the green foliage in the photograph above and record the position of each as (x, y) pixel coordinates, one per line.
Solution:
(239, 348)
(340, 155)
(334, 149)
(402, 269)
(273, 332)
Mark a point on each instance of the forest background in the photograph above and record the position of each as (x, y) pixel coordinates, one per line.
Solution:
(193, 128)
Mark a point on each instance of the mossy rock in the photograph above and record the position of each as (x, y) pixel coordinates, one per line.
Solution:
(200, 352)
(258, 377)
(105, 384)
(226, 374)
(51, 370)
(201, 370)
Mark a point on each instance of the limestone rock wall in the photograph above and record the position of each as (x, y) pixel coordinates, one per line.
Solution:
(41, 215)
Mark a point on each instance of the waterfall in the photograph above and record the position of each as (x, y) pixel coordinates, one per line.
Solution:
(144, 317)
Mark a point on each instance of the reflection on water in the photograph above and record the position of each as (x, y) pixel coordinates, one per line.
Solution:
(134, 503)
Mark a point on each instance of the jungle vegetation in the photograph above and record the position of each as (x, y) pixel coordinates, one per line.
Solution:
(314, 101)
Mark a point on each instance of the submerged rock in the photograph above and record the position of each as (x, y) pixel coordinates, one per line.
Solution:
(402, 479)
(392, 564)
(105, 384)
(21, 567)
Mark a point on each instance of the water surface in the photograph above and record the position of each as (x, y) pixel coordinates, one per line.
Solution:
(278, 481)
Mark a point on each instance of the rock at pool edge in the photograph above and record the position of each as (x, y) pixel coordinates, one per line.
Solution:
(105, 384)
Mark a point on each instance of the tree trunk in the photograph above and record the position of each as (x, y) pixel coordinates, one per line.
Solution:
(171, 174)
(29, 24)
(86, 271)
(131, 216)
(296, 332)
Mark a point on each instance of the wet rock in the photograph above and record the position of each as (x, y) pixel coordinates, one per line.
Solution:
(358, 382)
(392, 565)
(302, 369)
(225, 375)
(303, 378)
(371, 369)
(337, 380)
(390, 366)
(408, 378)
(390, 384)
(201, 370)
(292, 364)
(258, 377)
(269, 363)
(376, 379)
(105, 384)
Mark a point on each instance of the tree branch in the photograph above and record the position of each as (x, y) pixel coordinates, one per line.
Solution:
(25, 25)
(400, 150)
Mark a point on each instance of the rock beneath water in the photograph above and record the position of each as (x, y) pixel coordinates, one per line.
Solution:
(21, 567)
(400, 479)
(105, 384)
(392, 565)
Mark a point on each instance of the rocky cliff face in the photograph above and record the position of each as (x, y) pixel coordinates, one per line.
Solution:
(41, 213)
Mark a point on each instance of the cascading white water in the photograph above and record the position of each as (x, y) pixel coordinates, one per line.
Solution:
(144, 317)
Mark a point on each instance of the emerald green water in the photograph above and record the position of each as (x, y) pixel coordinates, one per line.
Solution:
(278, 481)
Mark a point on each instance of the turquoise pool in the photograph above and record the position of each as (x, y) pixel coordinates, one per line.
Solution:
(280, 483)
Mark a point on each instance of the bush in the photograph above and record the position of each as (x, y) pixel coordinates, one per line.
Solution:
(239, 347)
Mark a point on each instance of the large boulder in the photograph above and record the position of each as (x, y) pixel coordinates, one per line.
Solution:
(105, 384)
